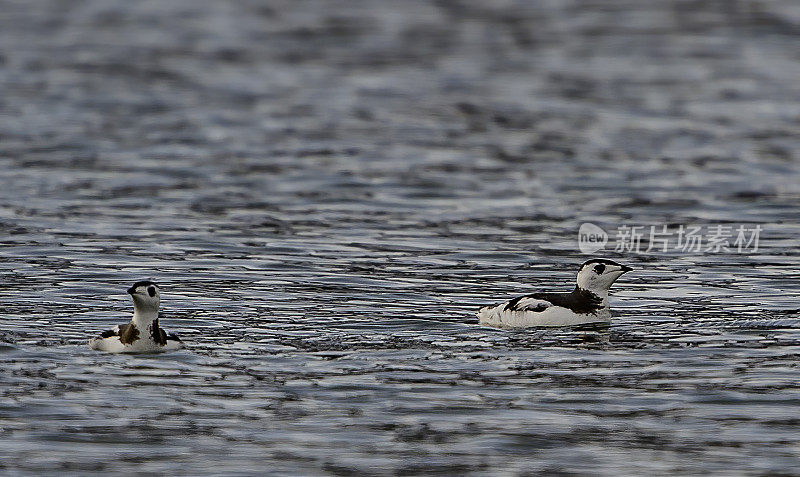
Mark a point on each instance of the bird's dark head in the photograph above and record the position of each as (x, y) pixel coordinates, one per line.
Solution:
(598, 274)
(145, 294)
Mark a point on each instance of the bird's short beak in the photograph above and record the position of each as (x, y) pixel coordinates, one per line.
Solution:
(131, 290)
(626, 268)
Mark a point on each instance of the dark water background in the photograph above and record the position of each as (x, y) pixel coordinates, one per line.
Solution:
(327, 190)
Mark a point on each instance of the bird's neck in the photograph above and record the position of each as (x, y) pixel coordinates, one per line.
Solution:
(596, 294)
(143, 318)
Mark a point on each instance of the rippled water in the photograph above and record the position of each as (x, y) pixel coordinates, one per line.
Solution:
(327, 191)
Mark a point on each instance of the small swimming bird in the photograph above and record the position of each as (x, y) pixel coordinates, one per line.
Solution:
(142, 334)
(587, 303)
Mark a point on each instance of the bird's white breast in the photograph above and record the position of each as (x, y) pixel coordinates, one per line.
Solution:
(499, 317)
(114, 345)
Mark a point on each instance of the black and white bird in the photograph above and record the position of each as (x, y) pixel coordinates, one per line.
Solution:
(142, 334)
(587, 303)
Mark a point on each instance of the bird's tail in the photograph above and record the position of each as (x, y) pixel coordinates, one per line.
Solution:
(488, 315)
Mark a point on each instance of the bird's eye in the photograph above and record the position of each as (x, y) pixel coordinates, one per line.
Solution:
(599, 268)
(151, 291)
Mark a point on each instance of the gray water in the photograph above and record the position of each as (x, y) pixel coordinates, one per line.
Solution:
(327, 191)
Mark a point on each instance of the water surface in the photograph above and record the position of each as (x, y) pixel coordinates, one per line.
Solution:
(327, 191)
